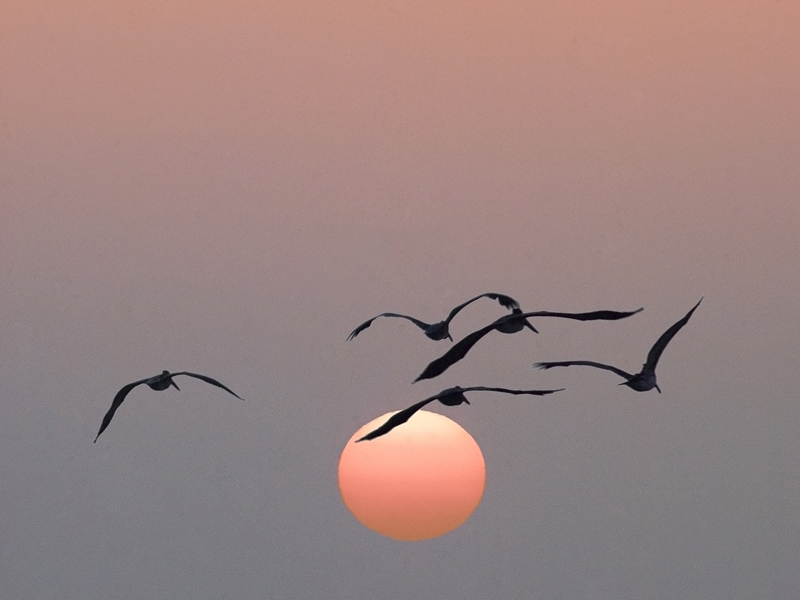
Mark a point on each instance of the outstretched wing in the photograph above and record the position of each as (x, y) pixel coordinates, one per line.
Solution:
(208, 380)
(596, 315)
(661, 343)
(366, 324)
(115, 404)
(460, 349)
(456, 353)
(398, 418)
(586, 363)
(505, 301)
(480, 388)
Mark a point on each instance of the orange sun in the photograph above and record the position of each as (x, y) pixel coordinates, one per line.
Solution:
(419, 481)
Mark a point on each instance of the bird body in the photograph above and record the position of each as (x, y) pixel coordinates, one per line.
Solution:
(441, 330)
(450, 397)
(158, 382)
(161, 382)
(513, 323)
(510, 324)
(644, 380)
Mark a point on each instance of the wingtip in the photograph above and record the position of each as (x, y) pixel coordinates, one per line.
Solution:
(694, 308)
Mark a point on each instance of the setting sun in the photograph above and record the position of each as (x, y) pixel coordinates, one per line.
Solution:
(420, 481)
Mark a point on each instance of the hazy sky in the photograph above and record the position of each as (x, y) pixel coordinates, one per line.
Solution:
(230, 187)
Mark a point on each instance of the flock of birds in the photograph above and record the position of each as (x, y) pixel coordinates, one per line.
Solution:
(517, 320)
(642, 381)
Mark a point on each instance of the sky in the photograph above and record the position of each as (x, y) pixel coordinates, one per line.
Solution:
(231, 187)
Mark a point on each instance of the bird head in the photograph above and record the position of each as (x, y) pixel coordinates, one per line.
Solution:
(172, 383)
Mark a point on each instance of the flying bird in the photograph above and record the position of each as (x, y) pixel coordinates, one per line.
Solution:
(510, 324)
(440, 330)
(158, 383)
(450, 397)
(644, 380)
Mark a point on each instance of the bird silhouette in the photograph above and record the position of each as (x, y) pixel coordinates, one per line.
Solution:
(158, 383)
(510, 324)
(644, 380)
(440, 330)
(450, 397)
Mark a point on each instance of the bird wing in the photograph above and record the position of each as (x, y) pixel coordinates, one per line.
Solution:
(505, 301)
(460, 349)
(587, 363)
(208, 380)
(596, 315)
(366, 324)
(661, 343)
(456, 353)
(480, 388)
(115, 404)
(398, 418)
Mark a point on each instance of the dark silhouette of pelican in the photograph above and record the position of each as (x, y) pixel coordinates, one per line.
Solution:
(644, 380)
(440, 330)
(450, 397)
(158, 383)
(510, 324)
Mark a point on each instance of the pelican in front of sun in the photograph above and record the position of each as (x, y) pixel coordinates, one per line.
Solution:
(512, 323)
(450, 397)
(157, 382)
(644, 380)
(441, 330)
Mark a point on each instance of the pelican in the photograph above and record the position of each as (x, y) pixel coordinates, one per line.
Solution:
(510, 324)
(440, 330)
(644, 380)
(158, 383)
(450, 397)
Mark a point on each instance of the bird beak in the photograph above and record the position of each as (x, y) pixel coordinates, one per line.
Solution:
(449, 337)
(172, 382)
(531, 327)
(465, 400)
(659, 389)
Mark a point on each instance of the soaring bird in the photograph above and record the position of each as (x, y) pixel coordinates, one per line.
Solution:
(450, 397)
(158, 383)
(510, 324)
(440, 330)
(644, 380)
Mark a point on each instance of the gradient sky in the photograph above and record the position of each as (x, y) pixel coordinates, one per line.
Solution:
(230, 187)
